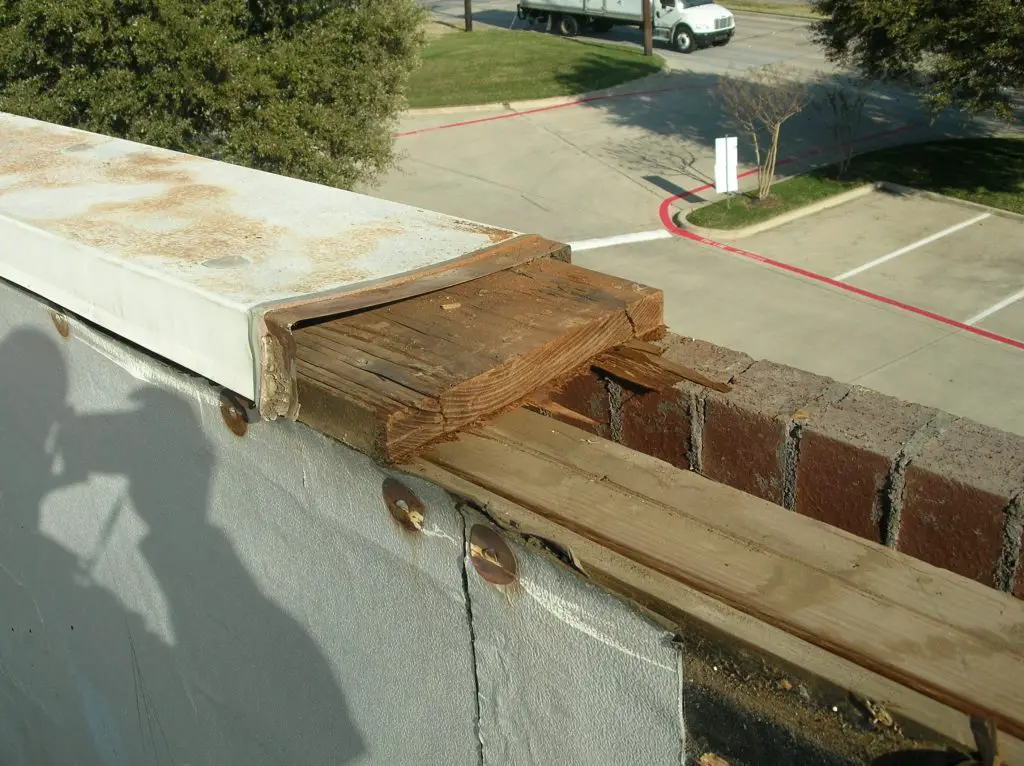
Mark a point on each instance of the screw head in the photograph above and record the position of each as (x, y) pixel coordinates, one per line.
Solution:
(233, 411)
(492, 559)
(404, 506)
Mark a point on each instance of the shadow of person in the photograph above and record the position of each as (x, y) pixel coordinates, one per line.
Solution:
(61, 700)
(237, 680)
(256, 683)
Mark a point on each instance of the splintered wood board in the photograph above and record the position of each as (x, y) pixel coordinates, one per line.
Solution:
(949, 638)
(390, 380)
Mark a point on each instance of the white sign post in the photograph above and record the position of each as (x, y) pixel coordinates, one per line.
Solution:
(726, 179)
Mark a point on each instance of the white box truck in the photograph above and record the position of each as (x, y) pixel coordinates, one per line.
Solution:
(685, 24)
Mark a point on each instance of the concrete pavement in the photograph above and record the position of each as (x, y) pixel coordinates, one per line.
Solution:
(771, 314)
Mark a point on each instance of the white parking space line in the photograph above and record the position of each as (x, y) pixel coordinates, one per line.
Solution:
(1008, 301)
(913, 246)
(620, 239)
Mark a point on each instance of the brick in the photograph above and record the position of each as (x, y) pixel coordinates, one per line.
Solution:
(586, 393)
(745, 438)
(714, 361)
(659, 424)
(955, 497)
(846, 455)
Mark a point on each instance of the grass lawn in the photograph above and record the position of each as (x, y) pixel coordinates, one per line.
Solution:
(985, 170)
(800, 10)
(493, 66)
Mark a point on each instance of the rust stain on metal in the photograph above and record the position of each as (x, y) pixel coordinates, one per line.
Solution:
(404, 506)
(147, 167)
(38, 156)
(493, 234)
(492, 559)
(61, 323)
(195, 220)
(233, 411)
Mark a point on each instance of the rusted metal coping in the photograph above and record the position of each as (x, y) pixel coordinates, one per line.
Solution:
(209, 264)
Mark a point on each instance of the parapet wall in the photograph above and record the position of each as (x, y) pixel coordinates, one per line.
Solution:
(944, 489)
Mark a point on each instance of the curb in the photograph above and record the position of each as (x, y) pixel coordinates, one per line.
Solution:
(909, 191)
(771, 223)
(537, 103)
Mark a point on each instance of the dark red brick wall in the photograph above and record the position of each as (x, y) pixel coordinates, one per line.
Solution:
(941, 488)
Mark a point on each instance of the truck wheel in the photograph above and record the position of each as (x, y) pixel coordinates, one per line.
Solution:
(682, 40)
(569, 25)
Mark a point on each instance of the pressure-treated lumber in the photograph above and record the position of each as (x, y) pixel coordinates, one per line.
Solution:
(685, 610)
(949, 638)
(392, 379)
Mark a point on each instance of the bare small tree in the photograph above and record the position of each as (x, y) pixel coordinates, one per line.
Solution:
(760, 105)
(842, 108)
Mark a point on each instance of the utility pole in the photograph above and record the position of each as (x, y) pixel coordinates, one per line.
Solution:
(469, 14)
(648, 28)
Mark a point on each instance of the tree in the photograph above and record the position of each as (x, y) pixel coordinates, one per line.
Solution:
(306, 88)
(969, 52)
(760, 105)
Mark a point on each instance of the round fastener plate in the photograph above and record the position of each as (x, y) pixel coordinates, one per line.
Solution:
(61, 323)
(233, 412)
(492, 559)
(404, 506)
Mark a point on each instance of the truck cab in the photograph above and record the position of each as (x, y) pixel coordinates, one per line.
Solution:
(690, 24)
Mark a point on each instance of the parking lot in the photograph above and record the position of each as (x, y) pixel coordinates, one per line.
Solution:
(880, 340)
(598, 172)
(956, 261)
(935, 274)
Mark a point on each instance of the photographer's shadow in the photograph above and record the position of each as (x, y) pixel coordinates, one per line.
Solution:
(202, 667)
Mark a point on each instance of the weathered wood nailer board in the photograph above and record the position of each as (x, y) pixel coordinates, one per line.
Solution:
(951, 639)
(390, 380)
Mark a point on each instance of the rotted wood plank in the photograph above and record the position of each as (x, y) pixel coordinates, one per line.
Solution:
(643, 364)
(279, 387)
(392, 379)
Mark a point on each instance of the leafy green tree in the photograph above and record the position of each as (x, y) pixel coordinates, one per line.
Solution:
(969, 52)
(306, 88)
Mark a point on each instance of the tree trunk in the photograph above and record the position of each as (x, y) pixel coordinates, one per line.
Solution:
(767, 177)
(757, 159)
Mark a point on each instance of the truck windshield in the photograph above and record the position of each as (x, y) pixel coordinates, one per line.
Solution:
(695, 3)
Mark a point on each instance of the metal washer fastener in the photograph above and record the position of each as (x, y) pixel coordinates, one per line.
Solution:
(404, 506)
(492, 559)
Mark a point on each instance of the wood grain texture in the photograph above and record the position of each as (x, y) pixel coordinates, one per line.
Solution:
(942, 635)
(394, 378)
(684, 609)
(278, 384)
(643, 364)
